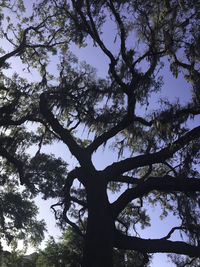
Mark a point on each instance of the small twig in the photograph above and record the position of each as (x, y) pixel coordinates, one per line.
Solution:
(172, 231)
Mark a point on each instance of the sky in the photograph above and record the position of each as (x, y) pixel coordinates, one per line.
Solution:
(173, 88)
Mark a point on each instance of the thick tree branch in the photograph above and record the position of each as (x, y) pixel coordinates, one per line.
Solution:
(66, 219)
(24, 44)
(126, 179)
(9, 122)
(67, 187)
(143, 121)
(186, 66)
(78, 201)
(155, 245)
(64, 134)
(118, 168)
(186, 111)
(107, 135)
(67, 198)
(164, 184)
(66, 202)
(18, 50)
(74, 226)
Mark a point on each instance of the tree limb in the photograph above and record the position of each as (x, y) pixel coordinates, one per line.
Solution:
(126, 179)
(78, 201)
(64, 134)
(9, 122)
(164, 184)
(23, 44)
(118, 168)
(18, 50)
(109, 134)
(188, 110)
(155, 245)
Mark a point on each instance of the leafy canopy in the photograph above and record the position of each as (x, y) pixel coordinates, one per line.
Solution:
(157, 148)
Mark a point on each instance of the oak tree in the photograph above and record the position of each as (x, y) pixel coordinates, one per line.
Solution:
(157, 145)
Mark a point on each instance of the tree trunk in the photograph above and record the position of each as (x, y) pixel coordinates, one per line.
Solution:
(100, 227)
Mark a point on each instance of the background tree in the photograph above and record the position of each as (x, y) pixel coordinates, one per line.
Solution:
(18, 214)
(68, 251)
(158, 150)
(15, 258)
(18, 258)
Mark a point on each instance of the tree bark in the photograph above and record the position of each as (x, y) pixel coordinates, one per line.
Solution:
(100, 227)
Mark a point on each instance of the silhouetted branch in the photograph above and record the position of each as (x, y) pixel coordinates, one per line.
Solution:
(155, 245)
(164, 184)
(64, 134)
(109, 134)
(118, 168)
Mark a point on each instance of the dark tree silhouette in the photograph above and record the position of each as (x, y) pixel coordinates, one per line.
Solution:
(157, 148)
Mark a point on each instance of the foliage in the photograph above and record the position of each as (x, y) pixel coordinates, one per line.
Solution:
(14, 259)
(69, 251)
(18, 259)
(19, 217)
(157, 145)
